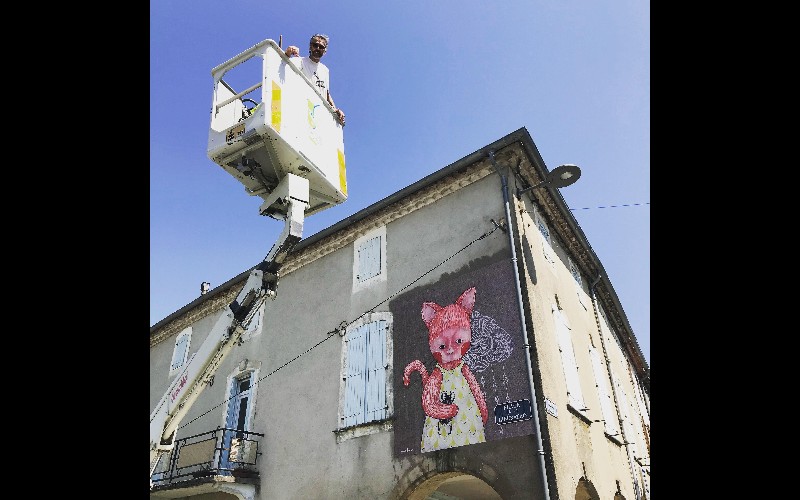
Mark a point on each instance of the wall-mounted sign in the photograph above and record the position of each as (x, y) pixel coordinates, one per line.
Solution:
(513, 411)
(550, 407)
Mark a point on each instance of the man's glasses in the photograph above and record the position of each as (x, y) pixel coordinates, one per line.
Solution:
(318, 46)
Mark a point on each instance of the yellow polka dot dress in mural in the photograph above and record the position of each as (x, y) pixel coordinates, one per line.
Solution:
(466, 427)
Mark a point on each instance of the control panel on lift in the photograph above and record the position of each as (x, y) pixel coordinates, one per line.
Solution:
(267, 121)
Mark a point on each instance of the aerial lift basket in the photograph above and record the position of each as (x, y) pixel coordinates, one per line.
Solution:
(267, 121)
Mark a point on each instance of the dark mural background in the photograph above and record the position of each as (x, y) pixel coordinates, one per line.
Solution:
(496, 356)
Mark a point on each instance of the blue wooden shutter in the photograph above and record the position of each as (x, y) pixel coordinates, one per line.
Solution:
(355, 377)
(369, 259)
(375, 400)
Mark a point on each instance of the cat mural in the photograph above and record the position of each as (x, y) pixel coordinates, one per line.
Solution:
(454, 405)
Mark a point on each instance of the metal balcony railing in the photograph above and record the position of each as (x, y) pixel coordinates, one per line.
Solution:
(221, 452)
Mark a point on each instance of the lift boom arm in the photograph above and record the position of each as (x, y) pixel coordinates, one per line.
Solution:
(292, 193)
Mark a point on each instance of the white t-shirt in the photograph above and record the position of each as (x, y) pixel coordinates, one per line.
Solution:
(316, 72)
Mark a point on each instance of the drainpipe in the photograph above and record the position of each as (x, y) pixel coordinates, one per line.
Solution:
(534, 405)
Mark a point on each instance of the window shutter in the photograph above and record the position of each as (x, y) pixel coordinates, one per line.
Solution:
(646, 481)
(181, 348)
(547, 248)
(366, 365)
(369, 259)
(627, 423)
(568, 361)
(606, 406)
(375, 401)
(542, 226)
(642, 407)
(545, 232)
(355, 383)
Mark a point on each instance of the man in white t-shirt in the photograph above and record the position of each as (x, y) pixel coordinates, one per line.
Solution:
(314, 69)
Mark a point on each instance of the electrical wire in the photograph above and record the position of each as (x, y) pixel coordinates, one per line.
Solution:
(612, 206)
(335, 331)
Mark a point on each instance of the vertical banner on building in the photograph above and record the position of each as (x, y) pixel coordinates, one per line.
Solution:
(460, 376)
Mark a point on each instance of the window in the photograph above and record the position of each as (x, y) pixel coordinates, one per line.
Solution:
(181, 351)
(568, 362)
(607, 331)
(237, 420)
(646, 481)
(542, 225)
(630, 434)
(237, 445)
(644, 414)
(606, 402)
(547, 246)
(629, 430)
(256, 323)
(576, 273)
(643, 410)
(366, 371)
(369, 260)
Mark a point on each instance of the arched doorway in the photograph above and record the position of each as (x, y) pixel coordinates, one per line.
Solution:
(454, 486)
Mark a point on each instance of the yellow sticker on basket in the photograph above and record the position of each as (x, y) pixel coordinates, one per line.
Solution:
(276, 107)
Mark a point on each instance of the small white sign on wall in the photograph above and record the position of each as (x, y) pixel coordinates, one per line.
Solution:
(550, 407)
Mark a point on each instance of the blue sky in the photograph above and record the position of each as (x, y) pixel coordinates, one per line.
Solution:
(423, 84)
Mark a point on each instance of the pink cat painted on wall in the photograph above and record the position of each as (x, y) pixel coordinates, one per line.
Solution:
(454, 405)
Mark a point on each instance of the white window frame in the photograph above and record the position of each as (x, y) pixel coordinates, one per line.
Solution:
(251, 371)
(370, 319)
(568, 360)
(360, 245)
(180, 351)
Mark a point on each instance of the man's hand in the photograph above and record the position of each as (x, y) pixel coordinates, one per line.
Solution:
(340, 114)
(292, 51)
